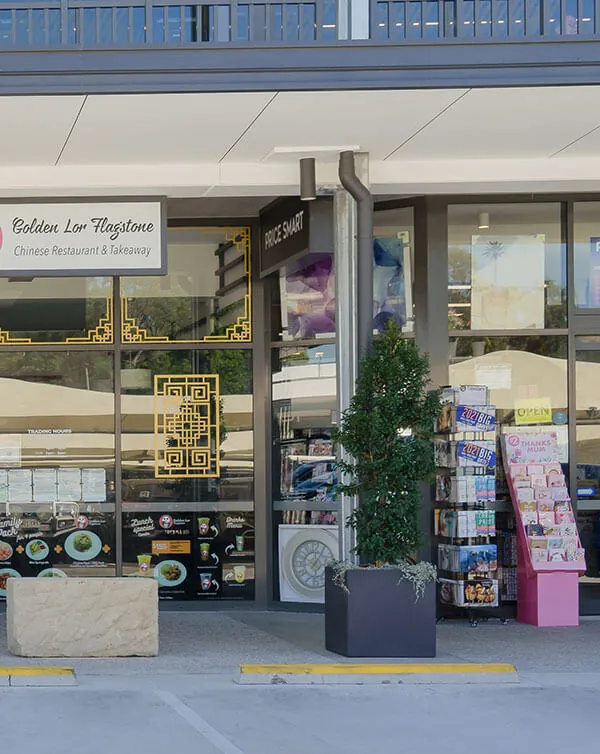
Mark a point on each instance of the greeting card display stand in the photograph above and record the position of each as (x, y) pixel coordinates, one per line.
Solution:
(550, 555)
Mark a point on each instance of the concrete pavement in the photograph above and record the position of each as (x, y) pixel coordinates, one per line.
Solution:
(186, 697)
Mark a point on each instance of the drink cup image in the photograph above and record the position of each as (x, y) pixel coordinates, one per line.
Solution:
(144, 564)
(205, 551)
(203, 526)
(239, 574)
(239, 543)
(205, 581)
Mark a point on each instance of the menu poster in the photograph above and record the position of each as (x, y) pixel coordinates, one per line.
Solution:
(35, 547)
(237, 536)
(69, 485)
(159, 545)
(89, 545)
(44, 485)
(93, 485)
(19, 486)
(209, 555)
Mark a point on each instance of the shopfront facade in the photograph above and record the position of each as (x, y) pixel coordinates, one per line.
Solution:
(179, 425)
(127, 419)
(500, 291)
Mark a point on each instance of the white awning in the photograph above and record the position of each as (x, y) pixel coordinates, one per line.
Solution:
(241, 144)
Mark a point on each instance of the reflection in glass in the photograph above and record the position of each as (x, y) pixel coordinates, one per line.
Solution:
(393, 263)
(304, 402)
(56, 310)
(587, 381)
(307, 296)
(588, 420)
(506, 267)
(586, 229)
(304, 306)
(234, 481)
(204, 297)
(527, 377)
(57, 455)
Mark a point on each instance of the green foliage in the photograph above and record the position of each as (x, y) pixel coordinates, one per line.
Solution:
(388, 432)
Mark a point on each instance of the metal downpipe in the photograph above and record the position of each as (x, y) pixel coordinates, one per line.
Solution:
(364, 268)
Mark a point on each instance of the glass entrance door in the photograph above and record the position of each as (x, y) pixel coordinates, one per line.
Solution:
(587, 381)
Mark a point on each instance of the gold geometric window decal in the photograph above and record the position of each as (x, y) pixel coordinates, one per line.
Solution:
(103, 332)
(186, 426)
(239, 331)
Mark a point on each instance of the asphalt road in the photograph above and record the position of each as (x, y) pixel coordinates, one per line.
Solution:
(210, 714)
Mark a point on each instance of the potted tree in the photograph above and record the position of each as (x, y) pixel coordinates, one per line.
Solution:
(385, 605)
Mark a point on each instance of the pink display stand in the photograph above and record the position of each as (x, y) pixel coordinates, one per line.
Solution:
(548, 593)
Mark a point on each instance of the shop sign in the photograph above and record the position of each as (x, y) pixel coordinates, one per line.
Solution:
(533, 411)
(83, 238)
(285, 232)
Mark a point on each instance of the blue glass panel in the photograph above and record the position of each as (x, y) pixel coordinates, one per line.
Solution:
(243, 24)
(138, 34)
(586, 22)
(431, 19)
(87, 34)
(158, 24)
(121, 30)
(291, 21)
(414, 29)
(173, 24)
(54, 27)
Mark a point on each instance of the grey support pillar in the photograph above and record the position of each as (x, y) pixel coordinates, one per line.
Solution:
(431, 284)
(431, 315)
(346, 258)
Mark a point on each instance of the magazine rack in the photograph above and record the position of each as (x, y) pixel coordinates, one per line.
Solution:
(550, 555)
(465, 525)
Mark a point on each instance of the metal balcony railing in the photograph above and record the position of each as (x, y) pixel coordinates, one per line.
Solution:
(101, 24)
(484, 19)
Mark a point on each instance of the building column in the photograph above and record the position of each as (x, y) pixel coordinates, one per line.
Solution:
(346, 297)
(431, 318)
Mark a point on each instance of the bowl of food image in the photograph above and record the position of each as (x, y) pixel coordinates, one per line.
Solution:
(37, 549)
(5, 575)
(83, 545)
(170, 573)
(6, 551)
(52, 573)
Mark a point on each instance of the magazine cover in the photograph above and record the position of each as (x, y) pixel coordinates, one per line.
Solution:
(482, 592)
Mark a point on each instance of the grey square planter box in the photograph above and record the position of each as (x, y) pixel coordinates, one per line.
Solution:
(378, 616)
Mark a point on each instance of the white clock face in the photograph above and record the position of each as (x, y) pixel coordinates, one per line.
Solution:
(309, 561)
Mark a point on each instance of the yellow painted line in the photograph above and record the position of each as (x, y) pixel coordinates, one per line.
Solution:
(374, 669)
(47, 670)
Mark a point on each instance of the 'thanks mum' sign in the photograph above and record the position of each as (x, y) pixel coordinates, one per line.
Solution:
(82, 239)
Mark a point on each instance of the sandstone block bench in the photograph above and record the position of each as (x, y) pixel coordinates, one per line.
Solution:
(82, 617)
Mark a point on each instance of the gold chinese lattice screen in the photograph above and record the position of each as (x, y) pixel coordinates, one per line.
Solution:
(186, 426)
(228, 318)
